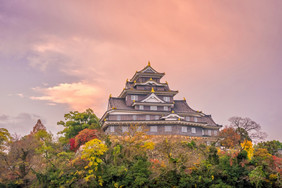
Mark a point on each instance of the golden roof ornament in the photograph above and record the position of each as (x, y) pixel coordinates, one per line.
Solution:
(172, 111)
(110, 96)
(184, 98)
(166, 82)
(152, 91)
(134, 81)
(151, 79)
(149, 63)
(127, 80)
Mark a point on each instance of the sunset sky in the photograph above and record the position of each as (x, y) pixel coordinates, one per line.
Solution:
(225, 57)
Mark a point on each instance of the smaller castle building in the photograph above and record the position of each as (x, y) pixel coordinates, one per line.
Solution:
(148, 102)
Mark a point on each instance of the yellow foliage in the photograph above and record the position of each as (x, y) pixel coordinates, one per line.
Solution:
(248, 147)
(148, 145)
(92, 151)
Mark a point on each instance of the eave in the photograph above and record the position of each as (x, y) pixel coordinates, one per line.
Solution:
(149, 75)
(152, 104)
(158, 122)
(133, 91)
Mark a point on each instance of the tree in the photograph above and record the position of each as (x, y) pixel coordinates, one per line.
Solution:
(4, 138)
(271, 146)
(76, 122)
(230, 138)
(84, 136)
(247, 128)
(19, 160)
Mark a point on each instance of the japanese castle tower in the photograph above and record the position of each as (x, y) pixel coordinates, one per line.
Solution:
(147, 101)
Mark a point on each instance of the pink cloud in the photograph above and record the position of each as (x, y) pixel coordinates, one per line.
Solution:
(78, 96)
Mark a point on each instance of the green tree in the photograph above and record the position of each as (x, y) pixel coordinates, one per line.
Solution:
(4, 138)
(76, 122)
(271, 146)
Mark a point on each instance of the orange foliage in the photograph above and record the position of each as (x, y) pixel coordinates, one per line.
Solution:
(230, 137)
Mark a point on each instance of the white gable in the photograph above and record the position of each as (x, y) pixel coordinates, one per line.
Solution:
(149, 69)
(153, 98)
(151, 82)
(172, 117)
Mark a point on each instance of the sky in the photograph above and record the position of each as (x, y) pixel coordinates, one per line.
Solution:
(224, 57)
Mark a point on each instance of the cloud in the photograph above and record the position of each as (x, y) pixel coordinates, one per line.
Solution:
(78, 96)
(20, 124)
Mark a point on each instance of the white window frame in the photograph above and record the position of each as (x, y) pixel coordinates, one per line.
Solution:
(193, 130)
(118, 117)
(215, 132)
(124, 129)
(187, 118)
(168, 128)
(134, 117)
(209, 132)
(203, 132)
(157, 117)
(147, 117)
(112, 129)
(154, 108)
(184, 129)
(134, 97)
(165, 108)
(153, 129)
(141, 107)
(195, 119)
(166, 99)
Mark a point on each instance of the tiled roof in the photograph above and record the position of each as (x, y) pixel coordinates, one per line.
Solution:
(209, 120)
(118, 103)
(182, 106)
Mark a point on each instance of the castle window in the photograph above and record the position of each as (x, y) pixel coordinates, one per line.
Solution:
(193, 130)
(209, 132)
(124, 129)
(118, 118)
(195, 119)
(187, 118)
(166, 99)
(141, 107)
(215, 132)
(203, 132)
(165, 108)
(147, 117)
(153, 129)
(157, 117)
(134, 117)
(168, 128)
(153, 108)
(134, 97)
(112, 129)
(184, 129)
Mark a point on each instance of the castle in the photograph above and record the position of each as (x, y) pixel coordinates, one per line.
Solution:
(146, 101)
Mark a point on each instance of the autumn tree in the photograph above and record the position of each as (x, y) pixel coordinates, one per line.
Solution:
(84, 136)
(20, 158)
(229, 137)
(247, 129)
(76, 122)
